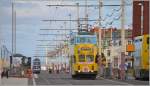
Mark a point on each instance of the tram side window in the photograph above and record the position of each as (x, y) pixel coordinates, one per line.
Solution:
(74, 59)
(36, 63)
(89, 40)
(90, 58)
(81, 58)
(148, 40)
(135, 41)
(82, 40)
(72, 41)
(141, 40)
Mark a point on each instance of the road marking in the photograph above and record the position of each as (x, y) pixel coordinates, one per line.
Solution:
(34, 84)
(35, 76)
(33, 79)
(118, 82)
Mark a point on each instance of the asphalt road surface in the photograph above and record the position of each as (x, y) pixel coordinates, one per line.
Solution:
(44, 78)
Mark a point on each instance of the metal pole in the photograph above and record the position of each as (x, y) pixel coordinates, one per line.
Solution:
(62, 20)
(1, 53)
(93, 5)
(122, 26)
(100, 5)
(78, 22)
(12, 26)
(122, 39)
(65, 44)
(86, 16)
(12, 31)
(99, 40)
(65, 29)
(142, 17)
(15, 32)
(70, 26)
(46, 57)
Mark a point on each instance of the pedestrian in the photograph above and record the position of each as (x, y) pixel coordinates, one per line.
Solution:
(3, 73)
(122, 71)
(126, 71)
(22, 73)
(7, 73)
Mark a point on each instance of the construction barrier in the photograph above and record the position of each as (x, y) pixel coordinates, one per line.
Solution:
(130, 74)
(29, 73)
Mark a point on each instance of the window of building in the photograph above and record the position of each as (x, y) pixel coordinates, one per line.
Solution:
(130, 53)
(108, 52)
(129, 42)
(119, 42)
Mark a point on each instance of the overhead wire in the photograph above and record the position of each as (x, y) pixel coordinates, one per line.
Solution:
(108, 16)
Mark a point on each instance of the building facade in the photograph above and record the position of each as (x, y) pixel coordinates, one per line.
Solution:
(140, 17)
(111, 38)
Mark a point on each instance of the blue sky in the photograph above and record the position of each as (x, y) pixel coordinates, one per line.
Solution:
(30, 13)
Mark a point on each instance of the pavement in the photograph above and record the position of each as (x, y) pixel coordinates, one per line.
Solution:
(11, 81)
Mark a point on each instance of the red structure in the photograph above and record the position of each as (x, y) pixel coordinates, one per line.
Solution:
(138, 8)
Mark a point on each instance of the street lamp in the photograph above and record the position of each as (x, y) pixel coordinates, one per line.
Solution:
(142, 9)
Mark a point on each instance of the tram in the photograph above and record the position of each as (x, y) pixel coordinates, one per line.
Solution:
(141, 56)
(36, 67)
(84, 57)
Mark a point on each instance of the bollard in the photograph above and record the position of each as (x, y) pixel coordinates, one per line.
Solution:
(29, 73)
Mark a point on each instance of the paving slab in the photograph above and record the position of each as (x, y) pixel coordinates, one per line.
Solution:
(14, 81)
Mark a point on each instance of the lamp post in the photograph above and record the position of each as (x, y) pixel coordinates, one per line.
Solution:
(122, 66)
(142, 16)
(101, 69)
(99, 31)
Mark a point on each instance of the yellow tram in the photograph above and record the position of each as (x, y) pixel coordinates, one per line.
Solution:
(141, 57)
(83, 60)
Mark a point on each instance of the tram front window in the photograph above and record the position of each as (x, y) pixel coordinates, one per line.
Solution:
(36, 63)
(89, 58)
(81, 58)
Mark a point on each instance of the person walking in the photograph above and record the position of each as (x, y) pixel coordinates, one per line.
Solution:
(3, 73)
(0, 76)
(122, 71)
(7, 73)
(22, 73)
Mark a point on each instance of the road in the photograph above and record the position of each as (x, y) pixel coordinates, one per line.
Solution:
(44, 78)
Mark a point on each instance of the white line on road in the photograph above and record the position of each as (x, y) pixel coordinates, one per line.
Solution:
(34, 76)
(34, 84)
